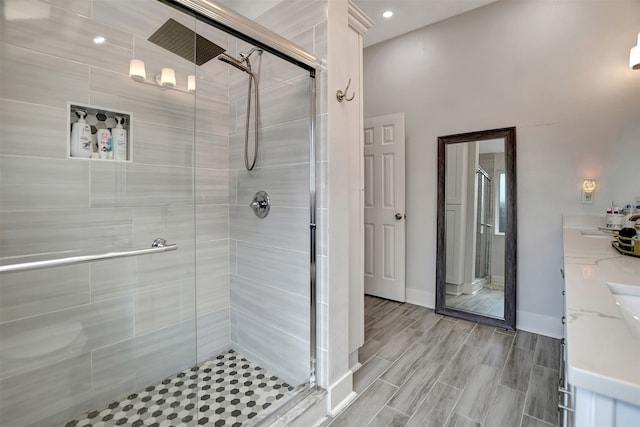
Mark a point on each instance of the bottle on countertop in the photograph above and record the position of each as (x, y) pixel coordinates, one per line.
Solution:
(81, 136)
(630, 210)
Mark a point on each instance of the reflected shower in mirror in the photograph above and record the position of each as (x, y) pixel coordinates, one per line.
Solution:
(476, 226)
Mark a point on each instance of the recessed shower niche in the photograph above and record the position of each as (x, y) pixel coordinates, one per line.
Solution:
(98, 133)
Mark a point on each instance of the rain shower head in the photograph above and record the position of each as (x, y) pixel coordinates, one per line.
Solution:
(178, 39)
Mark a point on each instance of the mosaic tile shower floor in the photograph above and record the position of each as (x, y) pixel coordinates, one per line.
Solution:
(230, 390)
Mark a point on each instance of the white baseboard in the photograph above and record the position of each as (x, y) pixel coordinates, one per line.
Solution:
(340, 394)
(472, 288)
(539, 324)
(422, 298)
(335, 411)
(453, 289)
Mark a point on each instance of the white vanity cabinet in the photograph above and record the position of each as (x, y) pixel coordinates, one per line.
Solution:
(600, 375)
(596, 410)
(579, 407)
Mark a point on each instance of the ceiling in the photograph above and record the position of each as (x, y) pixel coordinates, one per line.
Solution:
(409, 15)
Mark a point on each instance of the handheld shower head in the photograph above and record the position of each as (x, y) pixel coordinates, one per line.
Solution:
(234, 62)
(244, 64)
(245, 56)
(240, 63)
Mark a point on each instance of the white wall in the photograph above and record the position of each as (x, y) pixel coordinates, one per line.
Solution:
(558, 71)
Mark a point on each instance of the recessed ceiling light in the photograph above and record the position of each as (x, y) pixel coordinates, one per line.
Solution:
(387, 14)
(99, 40)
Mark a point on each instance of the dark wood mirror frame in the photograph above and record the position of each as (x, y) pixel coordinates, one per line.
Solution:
(509, 135)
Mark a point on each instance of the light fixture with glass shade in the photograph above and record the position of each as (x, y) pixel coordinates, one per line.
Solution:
(166, 79)
(588, 188)
(634, 55)
(136, 70)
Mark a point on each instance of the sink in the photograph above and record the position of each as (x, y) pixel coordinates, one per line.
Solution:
(596, 234)
(628, 300)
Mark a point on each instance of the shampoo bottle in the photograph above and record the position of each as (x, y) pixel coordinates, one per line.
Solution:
(81, 136)
(119, 137)
(104, 143)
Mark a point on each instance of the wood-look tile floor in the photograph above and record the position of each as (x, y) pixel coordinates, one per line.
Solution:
(421, 369)
(486, 301)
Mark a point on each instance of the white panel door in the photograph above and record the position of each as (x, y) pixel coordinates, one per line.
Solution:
(384, 207)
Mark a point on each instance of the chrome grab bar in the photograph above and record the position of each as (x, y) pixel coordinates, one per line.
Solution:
(158, 245)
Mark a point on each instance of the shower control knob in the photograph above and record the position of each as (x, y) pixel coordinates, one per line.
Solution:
(399, 216)
(261, 204)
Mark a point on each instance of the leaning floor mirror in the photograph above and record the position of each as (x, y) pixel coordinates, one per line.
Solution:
(476, 246)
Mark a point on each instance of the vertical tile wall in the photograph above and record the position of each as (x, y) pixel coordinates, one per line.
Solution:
(270, 257)
(74, 337)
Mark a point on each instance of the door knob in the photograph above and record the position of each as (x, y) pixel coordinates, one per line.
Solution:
(399, 216)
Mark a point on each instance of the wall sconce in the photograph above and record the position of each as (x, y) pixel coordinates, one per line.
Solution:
(166, 79)
(634, 56)
(136, 70)
(588, 188)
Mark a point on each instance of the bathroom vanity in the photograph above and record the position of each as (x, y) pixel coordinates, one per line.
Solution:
(602, 329)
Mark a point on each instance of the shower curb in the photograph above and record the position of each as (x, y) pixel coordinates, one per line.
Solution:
(309, 411)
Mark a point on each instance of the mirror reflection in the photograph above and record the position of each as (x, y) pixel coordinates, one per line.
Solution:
(476, 246)
(475, 226)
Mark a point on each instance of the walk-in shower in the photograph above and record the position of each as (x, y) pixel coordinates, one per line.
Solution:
(143, 289)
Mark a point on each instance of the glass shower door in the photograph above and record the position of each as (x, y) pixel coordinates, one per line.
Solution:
(484, 226)
(135, 337)
(78, 336)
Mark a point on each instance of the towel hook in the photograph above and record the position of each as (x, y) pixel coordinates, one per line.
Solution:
(340, 95)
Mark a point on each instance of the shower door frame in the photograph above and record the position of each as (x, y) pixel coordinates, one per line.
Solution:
(484, 227)
(246, 30)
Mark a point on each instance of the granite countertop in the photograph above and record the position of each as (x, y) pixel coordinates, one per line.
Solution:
(602, 354)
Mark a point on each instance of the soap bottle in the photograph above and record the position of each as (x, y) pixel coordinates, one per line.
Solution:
(104, 143)
(119, 137)
(81, 136)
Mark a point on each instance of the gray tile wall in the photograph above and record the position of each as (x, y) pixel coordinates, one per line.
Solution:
(270, 257)
(72, 338)
(129, 322)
